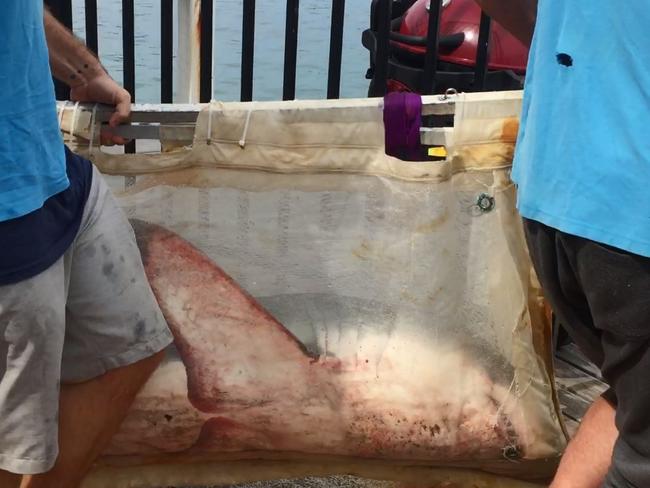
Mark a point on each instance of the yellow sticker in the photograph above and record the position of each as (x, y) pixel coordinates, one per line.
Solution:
(438, 152)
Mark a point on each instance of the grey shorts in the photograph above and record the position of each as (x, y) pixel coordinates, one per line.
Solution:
(601, 295)
(90, 312)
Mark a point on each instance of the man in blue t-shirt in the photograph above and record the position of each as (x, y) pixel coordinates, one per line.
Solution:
(582, 166)
(80, 330)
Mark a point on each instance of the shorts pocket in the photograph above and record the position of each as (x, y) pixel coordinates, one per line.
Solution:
(617, 286)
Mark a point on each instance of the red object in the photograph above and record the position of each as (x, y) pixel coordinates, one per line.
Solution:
(506, 51)
(396, 86)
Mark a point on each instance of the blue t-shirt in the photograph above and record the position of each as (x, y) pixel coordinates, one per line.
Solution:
(582, 162)
(32, 243)
(32, 162)
(42, 197)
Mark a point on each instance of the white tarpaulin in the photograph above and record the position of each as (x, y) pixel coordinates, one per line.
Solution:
(381, 315)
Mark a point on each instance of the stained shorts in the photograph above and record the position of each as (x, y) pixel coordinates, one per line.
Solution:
(92, 311)
(602, 297)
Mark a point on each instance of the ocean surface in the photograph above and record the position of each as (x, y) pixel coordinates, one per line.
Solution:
(313, 47)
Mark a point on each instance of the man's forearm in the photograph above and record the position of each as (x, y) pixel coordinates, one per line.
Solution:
(72, 63)
(517, 16)
(70, 60)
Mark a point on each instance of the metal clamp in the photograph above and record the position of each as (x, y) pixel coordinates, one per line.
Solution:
(485, 203)
(511, 453)
(451, 92)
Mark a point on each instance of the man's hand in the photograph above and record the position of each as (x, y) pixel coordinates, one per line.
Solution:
(75, 65)
(103, 89)
(517, 16)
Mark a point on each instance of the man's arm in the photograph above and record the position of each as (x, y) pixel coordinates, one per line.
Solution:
(518, 16)
(72, 63)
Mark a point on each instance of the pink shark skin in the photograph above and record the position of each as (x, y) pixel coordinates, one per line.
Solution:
(258, 389)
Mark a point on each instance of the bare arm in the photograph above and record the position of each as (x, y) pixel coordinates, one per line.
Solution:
(72, 63)
(70, 60)
(518, 16)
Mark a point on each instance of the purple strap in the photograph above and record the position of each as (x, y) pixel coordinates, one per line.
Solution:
(402, 122)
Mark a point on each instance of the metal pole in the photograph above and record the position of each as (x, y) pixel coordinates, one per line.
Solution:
(383, 48)
(91, 25)
(248, 51)
(167, 51)
(431, 59)
(188, 65)
(482, 52)
(128, 54)
(290, 50)
(336, 49)
(206, 62)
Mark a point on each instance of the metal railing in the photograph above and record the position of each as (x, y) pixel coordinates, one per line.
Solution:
(201, 66)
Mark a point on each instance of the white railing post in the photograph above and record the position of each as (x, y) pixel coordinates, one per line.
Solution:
(187, 67)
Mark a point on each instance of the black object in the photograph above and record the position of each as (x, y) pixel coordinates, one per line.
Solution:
(205, 90)
(290, 50)
(336, 49)
(248, 51)
(166, 51)
(426, 73)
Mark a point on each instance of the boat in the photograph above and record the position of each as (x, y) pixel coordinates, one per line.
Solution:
(458, 47)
